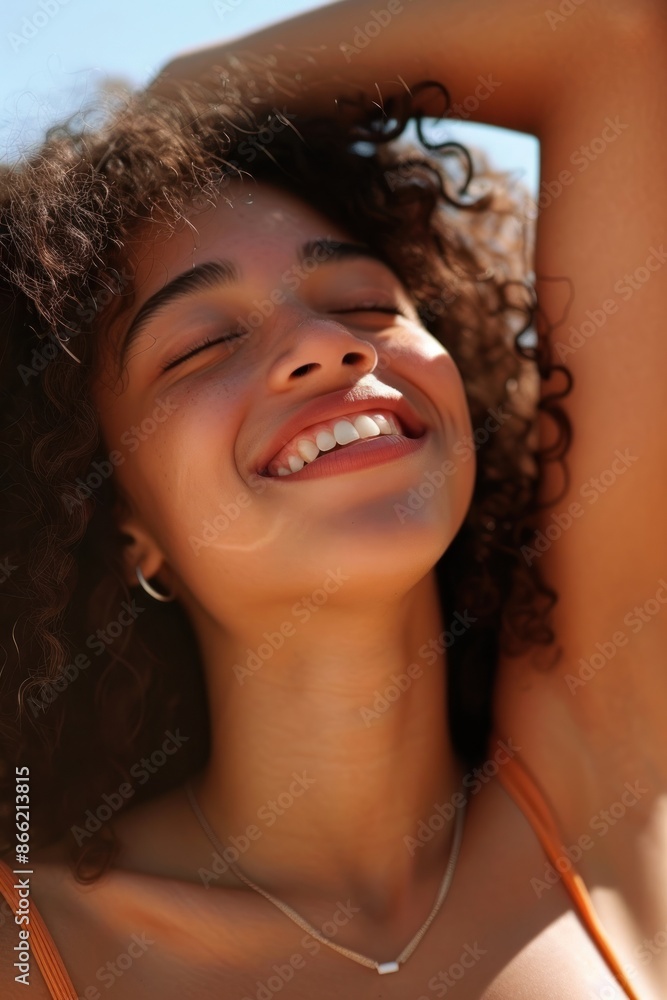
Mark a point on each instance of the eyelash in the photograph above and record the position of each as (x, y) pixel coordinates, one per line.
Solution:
(208, 342)
(372, 307)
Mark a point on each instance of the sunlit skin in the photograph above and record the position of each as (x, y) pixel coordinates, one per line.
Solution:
(301, 710)
(562, 74)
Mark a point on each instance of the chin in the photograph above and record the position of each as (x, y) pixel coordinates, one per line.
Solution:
(387, 555)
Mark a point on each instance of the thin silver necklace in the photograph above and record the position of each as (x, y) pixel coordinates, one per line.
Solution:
(381, 967)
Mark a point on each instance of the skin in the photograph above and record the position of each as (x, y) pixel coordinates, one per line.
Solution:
(337, 851)
(303, 705)
(560, 82)
(585, 79)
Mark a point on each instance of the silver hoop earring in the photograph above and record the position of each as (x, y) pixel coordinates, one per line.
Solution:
(151, 590)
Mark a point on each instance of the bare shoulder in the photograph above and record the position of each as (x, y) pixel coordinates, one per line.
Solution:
(99, 929)
(114, 918)
(157, 837)
(76, 917)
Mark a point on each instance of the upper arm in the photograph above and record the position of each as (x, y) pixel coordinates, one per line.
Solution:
(603, 225)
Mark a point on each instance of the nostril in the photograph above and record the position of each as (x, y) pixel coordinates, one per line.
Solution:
(353, 358)
(304, 369)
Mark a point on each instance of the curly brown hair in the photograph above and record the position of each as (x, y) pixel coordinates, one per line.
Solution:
(66, 215)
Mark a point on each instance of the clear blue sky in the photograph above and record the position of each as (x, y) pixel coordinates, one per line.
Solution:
(54, 54)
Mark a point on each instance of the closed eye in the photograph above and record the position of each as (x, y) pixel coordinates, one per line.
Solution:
(202, 345)
(209, 342)
(372, 307)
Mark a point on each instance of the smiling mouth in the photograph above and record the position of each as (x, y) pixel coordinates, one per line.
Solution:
(330, 436)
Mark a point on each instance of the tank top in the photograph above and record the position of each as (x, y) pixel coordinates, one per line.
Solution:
(515, 778)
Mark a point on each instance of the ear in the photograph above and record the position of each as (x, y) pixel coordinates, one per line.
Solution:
(139, 547)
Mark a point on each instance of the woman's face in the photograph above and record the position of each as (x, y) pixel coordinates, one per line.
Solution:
(311, 339)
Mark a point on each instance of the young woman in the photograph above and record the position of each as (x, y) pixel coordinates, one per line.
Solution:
(322, 602)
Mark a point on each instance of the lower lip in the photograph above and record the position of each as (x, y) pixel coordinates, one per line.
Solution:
(365, 454)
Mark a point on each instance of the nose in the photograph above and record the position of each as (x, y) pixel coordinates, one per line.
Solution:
(319, 349)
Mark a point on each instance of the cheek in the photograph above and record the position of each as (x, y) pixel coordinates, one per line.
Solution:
(416, 355)
(174, 459)
(435, 371)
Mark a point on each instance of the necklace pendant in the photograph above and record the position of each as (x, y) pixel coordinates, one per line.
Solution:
(385, 967)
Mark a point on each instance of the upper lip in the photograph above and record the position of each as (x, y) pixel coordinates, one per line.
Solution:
(354, 399)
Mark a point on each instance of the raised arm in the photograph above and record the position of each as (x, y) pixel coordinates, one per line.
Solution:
(518, 51)
(588, 77)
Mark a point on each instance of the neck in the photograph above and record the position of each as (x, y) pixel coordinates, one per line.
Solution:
(334, 747)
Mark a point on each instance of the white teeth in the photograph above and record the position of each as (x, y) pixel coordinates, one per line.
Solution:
(366, 426)
(383, 423)
(325, 440)
(344, 432)
(308, 450)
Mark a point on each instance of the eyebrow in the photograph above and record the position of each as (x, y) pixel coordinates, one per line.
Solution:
(218, 273)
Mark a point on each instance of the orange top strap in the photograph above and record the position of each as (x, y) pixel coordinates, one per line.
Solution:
(519, 783)
(59, 984)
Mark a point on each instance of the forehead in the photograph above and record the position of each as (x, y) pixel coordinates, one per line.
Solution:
(260, 223)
